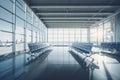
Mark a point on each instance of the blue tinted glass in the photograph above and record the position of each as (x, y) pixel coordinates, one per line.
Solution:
(34, 36)
(29, 19)
(20, 4)
(5, 15)
(38, 37)
(29, 11)
(20, 13)
(19, 30)
(19, 26)
(20, 47)
(19, 42)
(5, 49)
(5, 43)
(28, 36)
(5, 37)
(29, 26)
(7, 4)
(19, 38)
(5, 26)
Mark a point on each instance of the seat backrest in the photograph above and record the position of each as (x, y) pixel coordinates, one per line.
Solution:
(85, 47)
(111, 45)
(36, 46)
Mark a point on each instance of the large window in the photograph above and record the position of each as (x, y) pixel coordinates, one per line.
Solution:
(19, 24)
(5, 42)
(5, 15)
(108, 33)
(78, 35)
(93, 35)
(84, 35)
(6, 26)
(34, 36)
(102, 32)
(19, 34)
(28, 33)
(50, 35)
(59, 36)
(7, 4)
(65, 36)
(28, 36)
(71, 35)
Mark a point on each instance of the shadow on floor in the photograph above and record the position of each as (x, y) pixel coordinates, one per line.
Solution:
(107, 72)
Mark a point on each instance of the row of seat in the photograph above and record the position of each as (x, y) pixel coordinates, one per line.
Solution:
(36, 49)
(79, 50)
(110, 47)
(82, 47)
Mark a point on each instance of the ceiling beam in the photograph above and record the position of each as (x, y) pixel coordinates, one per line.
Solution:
(70, 7)
(71, 17)
(97, 13)
(70, 21)
(111, 16)
(67, 25)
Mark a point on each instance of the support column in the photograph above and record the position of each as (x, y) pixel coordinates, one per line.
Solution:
(25, 44)
(117, 28)
(14, 27)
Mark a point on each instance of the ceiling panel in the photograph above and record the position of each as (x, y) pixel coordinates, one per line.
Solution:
(73, 2)
(73, 12)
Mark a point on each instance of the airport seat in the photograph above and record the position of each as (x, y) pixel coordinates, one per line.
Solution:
(37, 49)
(82, 47)
(80, 52)
(110, 47)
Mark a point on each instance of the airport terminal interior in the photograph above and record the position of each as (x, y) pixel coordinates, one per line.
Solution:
(59, 39)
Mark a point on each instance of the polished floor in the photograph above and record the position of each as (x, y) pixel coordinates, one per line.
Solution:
(58, 64)
(55, 65)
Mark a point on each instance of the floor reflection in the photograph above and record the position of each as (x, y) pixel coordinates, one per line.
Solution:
(57, 64)
(60, 55)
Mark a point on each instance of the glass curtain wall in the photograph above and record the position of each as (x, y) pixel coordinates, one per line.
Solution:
(19, 23)
(65, 36)
(108, 32)
(103, 32)
(6, 26)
